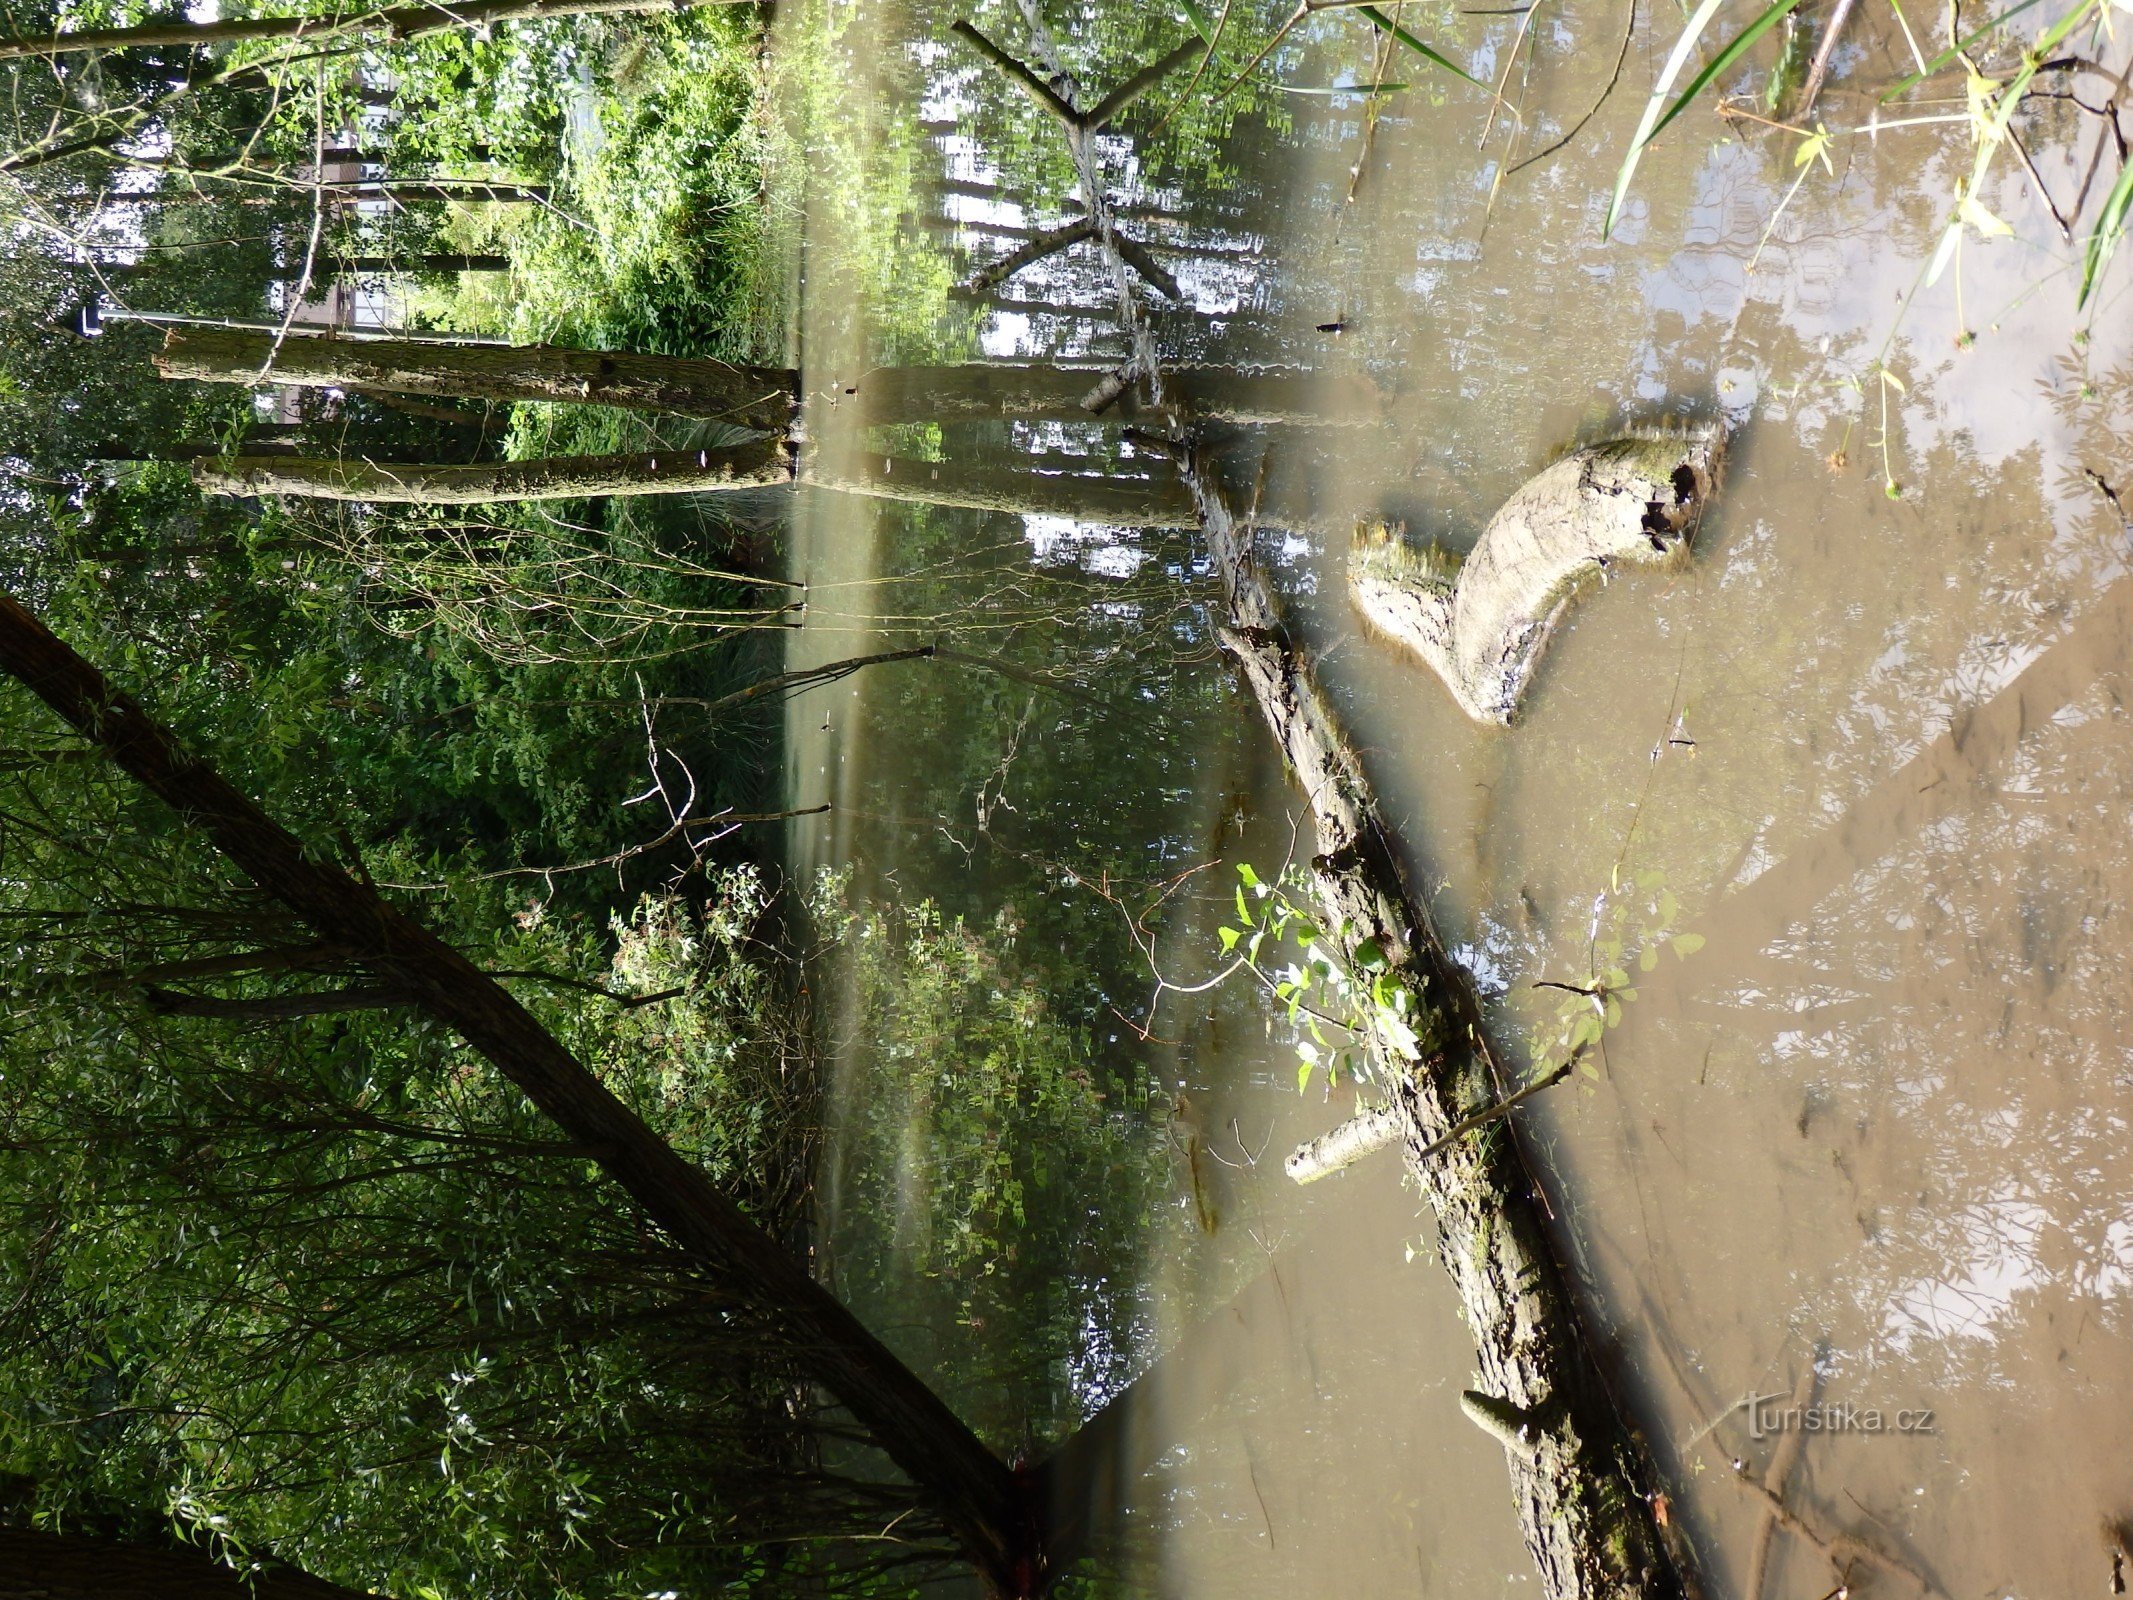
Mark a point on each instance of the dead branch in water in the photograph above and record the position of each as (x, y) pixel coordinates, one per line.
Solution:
(1823, 55)
(1379, 1126)
(1629, 32)
(1583, 1486)
(1844, 1552)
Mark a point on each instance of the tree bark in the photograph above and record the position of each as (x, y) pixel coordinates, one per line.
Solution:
(346, 266)
(400, 22)
(35, 1565)
(273, 1007)
(1038, 247)
(1584, 1489)
(984, 1506)
(1366, 1131)
(755, 397)
(489, 191)
(752, 397)
(1128, 502)
(1038, 391)
(759, 461)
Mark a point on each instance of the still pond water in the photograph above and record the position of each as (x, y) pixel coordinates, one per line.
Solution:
(1873, 750)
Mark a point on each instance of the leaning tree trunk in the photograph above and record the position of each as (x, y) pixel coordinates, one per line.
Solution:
(1587, 1502)
(469, 191)
(752, 397)
(984, 1506)
(1587, 1498)
(759, 461)
(755, 397)
(1041, 392)
(348, 266)
(35, 1565)
(401, 22)
(1092, 497)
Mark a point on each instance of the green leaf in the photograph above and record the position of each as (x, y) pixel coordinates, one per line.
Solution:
(1421, 49)
(1370, 955)
(2110, 228)
(1815, 147)
(1655, 119)
(1250, 877)
(1970, 210)
(1229, 937)
(1244, 912)
(1956, 49)
(1303, 1077)
(1647, 958)
(1204, 25)
(1687, 944)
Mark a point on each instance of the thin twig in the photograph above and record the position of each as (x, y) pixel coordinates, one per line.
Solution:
(1823, 54)
(1502, 1108)
(1629, 32)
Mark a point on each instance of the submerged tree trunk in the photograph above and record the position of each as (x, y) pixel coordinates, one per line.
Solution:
(401, 22)
(752, 397)
(984, 1506)
(759, 461)
(35, 1565)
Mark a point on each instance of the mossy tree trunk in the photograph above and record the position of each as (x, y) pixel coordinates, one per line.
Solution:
(1587, 1503)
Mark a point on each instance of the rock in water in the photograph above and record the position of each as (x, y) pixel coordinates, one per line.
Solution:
(1483, 623)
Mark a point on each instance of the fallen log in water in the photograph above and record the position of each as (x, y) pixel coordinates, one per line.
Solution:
(1586, 1495)
(1587, 1502)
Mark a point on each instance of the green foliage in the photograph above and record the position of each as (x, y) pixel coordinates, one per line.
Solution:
(1628, 926)
(1018, 1179)
(666, 242)
(1335, 979)
(1658, 113)
(330, 1289)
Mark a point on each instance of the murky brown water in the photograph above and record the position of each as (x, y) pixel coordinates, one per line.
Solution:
(1877, 750)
